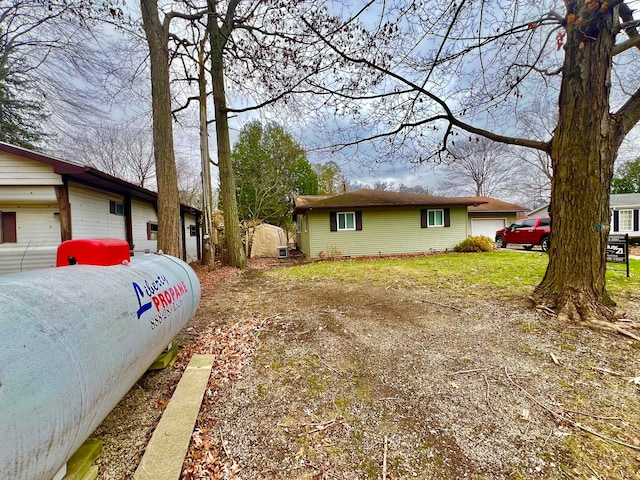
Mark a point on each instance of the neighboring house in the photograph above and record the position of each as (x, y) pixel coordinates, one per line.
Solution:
(45, 200)
(374, 222)
(625, 213)
(491, 215)
(541, 211)
(625, 208)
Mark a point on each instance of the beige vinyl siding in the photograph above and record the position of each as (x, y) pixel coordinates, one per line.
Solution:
(385, 231)
(16, 170)
(141, 213)
(303, 234)
(38, 236)
(90, 217)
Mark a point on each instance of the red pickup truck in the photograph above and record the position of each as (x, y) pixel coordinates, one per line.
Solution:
(527, 232)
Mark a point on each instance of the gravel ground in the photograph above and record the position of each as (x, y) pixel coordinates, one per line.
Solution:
(320, 379)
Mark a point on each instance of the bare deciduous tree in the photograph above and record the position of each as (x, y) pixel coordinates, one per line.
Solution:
(478, 167)
(476, 68)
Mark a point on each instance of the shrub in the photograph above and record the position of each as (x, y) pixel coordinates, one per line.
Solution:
(476, 244)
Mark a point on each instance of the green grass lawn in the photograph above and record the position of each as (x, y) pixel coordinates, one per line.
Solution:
(497, 273)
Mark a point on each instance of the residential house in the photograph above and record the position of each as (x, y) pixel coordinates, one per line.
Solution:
(625, 208)
(46, 200)
(489, 215)
(625, 213)
(374, 222)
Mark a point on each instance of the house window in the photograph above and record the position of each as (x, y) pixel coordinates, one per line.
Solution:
(116, 208)
(152, 231)
(440, 217)
(435, 218)
(8, 227)
(346, 221)
(192, 230)
(625, 218)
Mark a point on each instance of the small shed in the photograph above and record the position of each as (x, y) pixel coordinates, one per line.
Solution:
(266, 240)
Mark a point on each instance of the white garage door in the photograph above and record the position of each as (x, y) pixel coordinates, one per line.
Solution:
(486, 226)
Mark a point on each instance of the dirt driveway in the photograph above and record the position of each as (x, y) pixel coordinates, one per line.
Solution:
(321, 379)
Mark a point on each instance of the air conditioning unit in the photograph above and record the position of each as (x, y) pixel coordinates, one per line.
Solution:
(283, 252)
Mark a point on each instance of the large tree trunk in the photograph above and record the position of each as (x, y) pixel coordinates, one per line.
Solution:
(208, 254)
(583, 151)
(169, 228)
(217, 39)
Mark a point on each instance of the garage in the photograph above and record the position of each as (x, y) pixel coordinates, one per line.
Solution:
(486, 226)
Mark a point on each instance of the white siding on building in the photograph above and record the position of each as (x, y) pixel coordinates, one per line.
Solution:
(23, 171)
(27, 194)
(191, 242)
(38, 236)
(90, 217)
(141, 213)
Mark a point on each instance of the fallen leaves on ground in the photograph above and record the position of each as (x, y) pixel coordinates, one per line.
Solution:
(232, 346)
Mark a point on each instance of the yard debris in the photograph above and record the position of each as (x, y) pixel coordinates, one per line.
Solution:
(329, 366)
(232, 345)
(568, 420)
(384, 460)
(606, 370)
(554, 358)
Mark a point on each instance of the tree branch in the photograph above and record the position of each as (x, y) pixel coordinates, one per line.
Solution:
(448, 114)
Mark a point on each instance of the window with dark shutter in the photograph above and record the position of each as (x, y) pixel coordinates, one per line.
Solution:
(116, 208)
(358, 220)
(635, 221)
(447, 217)
(9, 227)
(152, 231)
(616, 221)
(333, 221)
(434, 218)
(423, 219)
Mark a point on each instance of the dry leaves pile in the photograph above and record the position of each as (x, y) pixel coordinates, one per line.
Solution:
(232, 346)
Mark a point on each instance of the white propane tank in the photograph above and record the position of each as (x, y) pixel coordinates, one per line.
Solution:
(73, 341)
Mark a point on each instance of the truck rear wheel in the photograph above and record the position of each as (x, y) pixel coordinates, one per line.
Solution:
(544, 244)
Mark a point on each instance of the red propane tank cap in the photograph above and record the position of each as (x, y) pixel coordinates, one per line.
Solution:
(93, 251)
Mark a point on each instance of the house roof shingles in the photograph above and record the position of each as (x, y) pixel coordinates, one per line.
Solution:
(378, 198)
(625, 200)
(492, 205)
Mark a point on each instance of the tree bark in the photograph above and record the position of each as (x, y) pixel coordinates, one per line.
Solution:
(208, 254)
(217, 39)
(157, 33)
(583, 150)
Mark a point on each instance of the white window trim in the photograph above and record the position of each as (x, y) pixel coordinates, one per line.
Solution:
(429, 224)
(621, 227)
(346, 229)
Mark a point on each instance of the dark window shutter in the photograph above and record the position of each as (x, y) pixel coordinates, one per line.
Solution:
(148, 230)
(635, 220)
(423, 219)
(447, 217)
(9, 227)
(616, 221)
(112, 207)
(333, 221)
(358, 220)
